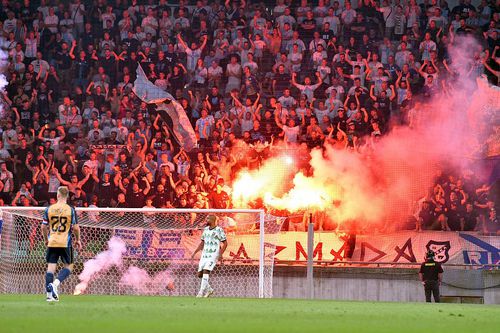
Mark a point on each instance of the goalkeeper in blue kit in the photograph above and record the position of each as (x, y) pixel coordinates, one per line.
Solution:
(213, 244)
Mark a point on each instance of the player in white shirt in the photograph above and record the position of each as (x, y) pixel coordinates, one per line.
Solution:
(213, 243)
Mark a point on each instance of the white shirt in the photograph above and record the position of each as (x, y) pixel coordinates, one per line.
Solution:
(348, 16)
(308, 90)
(320, 114)
(44, 10)
(287, 101)
(4, 154)
(7, 179)
(67, 22)
(121, 133)
(340, 91)
(31, 48)
(54, 142)
(90, 136)
(426, 47)
(334, 23)
(108, 16)
(246, 124)
(147, 22)
(200, 123)
(53, 184)
(92, 165)
(291, 133)
(9, 25)
(8, 134)
(183, 22)
(211, 242)
(75, 13)
(388, 13)
(192, 58)
(281, 20)
(214, 73)
(52, 20)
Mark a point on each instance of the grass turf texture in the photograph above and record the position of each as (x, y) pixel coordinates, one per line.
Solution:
(30, 313)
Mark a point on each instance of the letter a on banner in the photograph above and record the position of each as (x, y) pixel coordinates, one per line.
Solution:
(241, 254)
(402, 252)
(364, 246)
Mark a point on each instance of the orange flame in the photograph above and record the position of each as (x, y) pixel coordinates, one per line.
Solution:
(331, 189)
(307, 193)
(269, 180)
(247, 188)
(272, 183)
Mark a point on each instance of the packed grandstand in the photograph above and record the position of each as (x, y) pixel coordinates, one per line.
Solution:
(250, 82)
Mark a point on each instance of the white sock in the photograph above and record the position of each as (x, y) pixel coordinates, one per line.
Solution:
(204, 283)
(56, 283)
(49, 294)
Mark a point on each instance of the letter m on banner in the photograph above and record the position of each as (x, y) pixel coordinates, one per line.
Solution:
(299, 250)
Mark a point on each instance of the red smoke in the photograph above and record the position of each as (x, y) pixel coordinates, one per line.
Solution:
(377, 187)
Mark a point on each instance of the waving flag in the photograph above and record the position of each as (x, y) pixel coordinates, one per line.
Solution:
(151, 94)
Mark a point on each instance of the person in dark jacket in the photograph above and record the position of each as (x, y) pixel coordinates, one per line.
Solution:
(431, 274)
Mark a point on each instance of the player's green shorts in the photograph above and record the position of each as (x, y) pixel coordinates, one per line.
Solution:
(54, 253)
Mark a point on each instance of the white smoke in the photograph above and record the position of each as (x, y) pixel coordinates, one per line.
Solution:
(141, 282)
(101, 263)
(134, 277)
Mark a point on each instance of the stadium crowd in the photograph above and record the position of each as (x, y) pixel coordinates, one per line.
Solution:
(247, 74)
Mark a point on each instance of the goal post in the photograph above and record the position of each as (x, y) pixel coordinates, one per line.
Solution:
(142, 252)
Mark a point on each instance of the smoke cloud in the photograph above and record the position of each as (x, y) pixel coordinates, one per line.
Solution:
(134, 277)
(378, 186)
(142, 283)
(101, 263)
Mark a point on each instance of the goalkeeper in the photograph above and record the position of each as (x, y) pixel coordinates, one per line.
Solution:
(213, 243)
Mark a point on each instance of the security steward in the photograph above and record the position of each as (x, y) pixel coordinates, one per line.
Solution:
(431, 274)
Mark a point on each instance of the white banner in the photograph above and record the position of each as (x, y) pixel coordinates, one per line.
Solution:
(403, 247)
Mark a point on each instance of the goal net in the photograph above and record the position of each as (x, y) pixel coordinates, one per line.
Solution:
(142, 252)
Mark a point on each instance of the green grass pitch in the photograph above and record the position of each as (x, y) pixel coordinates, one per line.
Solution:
(95, 314)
